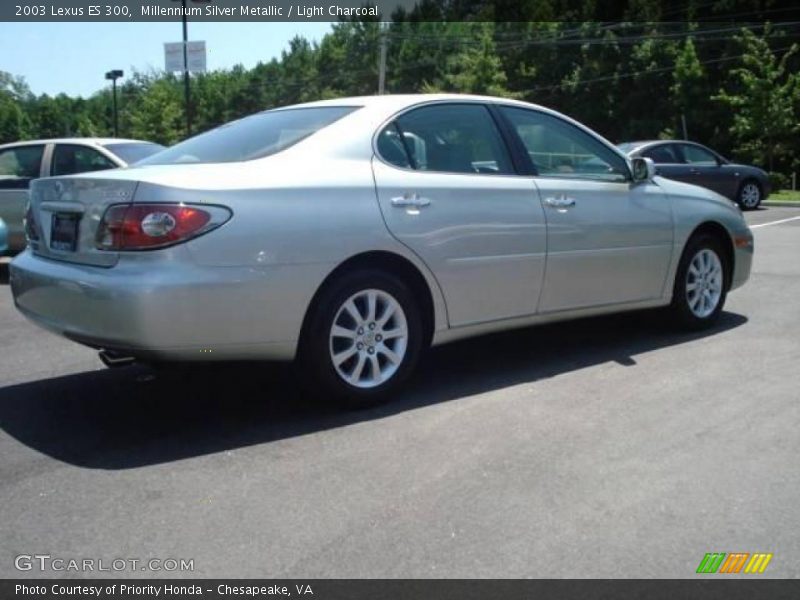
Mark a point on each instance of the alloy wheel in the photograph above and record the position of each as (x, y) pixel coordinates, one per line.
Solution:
(368, 338)
(704, 281)
(750, 195)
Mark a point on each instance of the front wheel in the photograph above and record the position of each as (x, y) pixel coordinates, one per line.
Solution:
(700, 283)
(363, 338)
(749, 195)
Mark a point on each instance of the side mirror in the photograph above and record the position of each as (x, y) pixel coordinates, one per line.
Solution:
(644, 169)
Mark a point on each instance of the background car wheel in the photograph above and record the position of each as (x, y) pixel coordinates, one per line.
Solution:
(363, 339)
(749, 195)
(701, 283)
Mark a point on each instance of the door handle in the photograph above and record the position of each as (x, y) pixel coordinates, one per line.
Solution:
(410, 200)
(561, 201)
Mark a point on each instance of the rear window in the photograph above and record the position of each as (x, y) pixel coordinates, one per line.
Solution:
(252, 137)
(131, 152)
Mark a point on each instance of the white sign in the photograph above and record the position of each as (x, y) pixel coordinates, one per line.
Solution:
(195, 56)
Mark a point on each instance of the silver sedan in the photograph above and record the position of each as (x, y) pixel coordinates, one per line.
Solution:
(351, 234)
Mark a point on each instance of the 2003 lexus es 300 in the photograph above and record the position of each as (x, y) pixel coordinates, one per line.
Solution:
(351, 234)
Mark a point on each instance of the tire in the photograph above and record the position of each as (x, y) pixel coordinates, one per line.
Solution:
(358, 364)
(701, 283)
(749, 196)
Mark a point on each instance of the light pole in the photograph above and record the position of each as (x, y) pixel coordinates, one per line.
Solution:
(113, 76)
(186, 89)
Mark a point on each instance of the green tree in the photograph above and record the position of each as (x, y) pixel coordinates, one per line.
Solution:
(157, 115)
(14, 121)
(477, 68)
(689, 87)
(762, 94)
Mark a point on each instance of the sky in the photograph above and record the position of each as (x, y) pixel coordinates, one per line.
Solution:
(73, 57)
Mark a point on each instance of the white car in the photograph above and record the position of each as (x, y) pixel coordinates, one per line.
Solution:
(22, 162)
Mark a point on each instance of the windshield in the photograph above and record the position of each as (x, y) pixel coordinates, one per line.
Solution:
(131, 152)
(252, 137)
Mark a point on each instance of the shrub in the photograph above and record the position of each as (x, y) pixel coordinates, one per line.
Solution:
(779, 181)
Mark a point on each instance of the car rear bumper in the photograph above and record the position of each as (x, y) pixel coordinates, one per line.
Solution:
(167, 310)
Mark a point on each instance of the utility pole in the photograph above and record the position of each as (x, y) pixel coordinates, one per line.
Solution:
(113, 76)
(683, 123)
(382, 61)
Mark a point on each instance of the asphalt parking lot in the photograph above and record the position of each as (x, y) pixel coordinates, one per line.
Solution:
(608, 447)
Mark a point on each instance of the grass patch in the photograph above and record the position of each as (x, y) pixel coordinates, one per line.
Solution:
(784, 196)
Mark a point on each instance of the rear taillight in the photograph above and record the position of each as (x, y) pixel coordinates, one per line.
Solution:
(148, 226)
(31, 229)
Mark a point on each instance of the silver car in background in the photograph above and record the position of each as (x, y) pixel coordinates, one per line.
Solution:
(351, 234)
(22, 162)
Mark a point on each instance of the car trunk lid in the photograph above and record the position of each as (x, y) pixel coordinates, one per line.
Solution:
(68, 212)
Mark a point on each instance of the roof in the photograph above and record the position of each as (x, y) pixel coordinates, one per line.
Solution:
(399, 101)
(94, 141)
(642, 142)
(352, 133)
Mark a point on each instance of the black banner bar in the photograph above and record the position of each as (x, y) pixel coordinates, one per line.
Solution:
(385, 10)
(399, 589)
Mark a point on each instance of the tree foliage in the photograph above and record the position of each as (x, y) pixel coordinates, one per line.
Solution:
(736, 85)
(763, 96)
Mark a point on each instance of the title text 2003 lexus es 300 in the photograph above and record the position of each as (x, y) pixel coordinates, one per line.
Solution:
(351, 234)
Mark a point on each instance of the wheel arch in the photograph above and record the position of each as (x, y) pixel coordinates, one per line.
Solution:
(389, 262)
(750, 178)
(720, 232)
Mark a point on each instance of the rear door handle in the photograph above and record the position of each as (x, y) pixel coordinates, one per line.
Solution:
(561, 201)
(410, 200)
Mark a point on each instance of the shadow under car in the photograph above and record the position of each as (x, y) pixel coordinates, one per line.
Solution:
(134, 416)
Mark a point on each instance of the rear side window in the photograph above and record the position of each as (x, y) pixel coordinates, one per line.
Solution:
(18, 166)
(446, 138)
(663, 154)
(252, 137)
(391, 147)
(73, 158)
(695, 155)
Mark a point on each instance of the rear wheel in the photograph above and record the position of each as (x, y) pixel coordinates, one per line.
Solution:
(363, 338)
(749, 195)
(701, 283)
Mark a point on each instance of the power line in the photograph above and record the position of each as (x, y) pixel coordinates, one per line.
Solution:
(559, 41)
(635, 73)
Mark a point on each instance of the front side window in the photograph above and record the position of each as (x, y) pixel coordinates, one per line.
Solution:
(559, 149)
(255, 136)
(19, 165)
(663, 154)
(446, 138)
(695, 155)
(72, 158)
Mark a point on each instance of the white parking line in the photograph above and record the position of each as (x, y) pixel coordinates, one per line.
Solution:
(774, 222)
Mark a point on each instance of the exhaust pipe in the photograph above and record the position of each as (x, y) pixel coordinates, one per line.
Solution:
(113, 359)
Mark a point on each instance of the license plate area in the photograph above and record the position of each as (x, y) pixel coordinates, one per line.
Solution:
(64, 232)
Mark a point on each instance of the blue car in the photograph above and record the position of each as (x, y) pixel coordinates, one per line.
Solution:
(3, 237)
